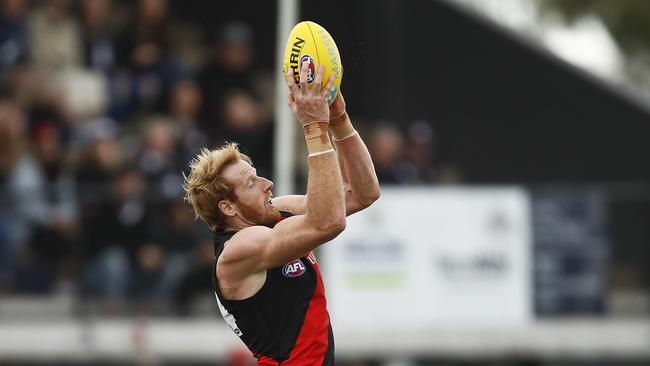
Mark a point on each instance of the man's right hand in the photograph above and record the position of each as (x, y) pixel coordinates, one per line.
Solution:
(309, 104)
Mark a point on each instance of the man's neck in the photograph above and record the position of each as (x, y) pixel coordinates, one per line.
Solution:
(237, 224)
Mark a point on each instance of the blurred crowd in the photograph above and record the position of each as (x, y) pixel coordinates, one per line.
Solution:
(102, 106)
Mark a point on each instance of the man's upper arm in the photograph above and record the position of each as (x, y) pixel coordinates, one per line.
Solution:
(297, 204)
(258, 248)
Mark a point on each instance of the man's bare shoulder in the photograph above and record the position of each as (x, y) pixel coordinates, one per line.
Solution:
(235, 273)
(240, 253)
(245, 242)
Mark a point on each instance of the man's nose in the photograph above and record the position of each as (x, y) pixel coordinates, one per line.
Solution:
(268, 185)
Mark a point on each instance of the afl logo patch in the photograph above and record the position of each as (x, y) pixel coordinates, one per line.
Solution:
(311, 69)
(294, 268)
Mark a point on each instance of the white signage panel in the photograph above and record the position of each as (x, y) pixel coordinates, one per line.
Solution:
(432, 257)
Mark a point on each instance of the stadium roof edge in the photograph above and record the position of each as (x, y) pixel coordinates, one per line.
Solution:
(618, 91)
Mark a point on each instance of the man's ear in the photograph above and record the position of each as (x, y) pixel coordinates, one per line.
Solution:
(227, 208)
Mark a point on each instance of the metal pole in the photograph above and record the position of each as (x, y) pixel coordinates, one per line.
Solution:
(284, 148)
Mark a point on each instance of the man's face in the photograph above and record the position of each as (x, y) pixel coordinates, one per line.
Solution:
(253, 203)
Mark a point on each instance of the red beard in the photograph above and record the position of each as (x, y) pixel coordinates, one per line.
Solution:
(257, 218)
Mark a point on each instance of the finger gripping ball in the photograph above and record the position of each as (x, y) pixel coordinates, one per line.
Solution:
(309, 42)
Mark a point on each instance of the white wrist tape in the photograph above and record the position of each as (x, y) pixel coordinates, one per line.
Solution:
(320, 152)
(346, 137)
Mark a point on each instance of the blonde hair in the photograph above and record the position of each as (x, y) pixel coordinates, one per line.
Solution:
(205, 186)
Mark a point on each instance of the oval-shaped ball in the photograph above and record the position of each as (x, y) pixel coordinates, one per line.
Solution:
(310, 42)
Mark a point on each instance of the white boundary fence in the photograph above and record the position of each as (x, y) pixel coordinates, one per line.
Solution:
(203, 340)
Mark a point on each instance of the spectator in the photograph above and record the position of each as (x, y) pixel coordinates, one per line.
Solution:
(13, 33)
(419, 153)
(158, 158)
(148, 69)
(231, 66)
(403, 159)
(98, 49)
(100, 157)
(18, 205)
(82, 96)
(46, 265)
(116, 238)
(184, 107)
(148, 275)
(386, 144)
(36, 94)
(243, 121)
(179, 240)
(195, 284)
(54, 37)
(146, 41)
(104, 264)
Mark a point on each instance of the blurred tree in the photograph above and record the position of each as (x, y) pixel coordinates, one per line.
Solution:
(627, 20)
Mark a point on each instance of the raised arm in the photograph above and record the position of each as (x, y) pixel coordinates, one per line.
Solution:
(359, 177)
(257, 248)
(360, 182)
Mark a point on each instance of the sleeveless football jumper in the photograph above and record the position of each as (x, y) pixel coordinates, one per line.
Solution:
(286, 322)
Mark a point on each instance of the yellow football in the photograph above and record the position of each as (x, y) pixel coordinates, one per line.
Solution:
(309, 42)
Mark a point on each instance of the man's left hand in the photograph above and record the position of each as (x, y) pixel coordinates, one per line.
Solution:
(337, 108)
